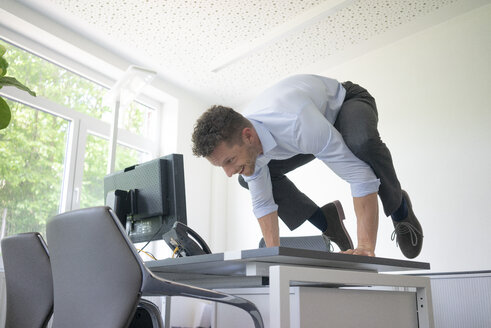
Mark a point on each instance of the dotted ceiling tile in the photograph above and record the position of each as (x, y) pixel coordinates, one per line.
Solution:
(186, 36)
(351, 26)
(178, 27)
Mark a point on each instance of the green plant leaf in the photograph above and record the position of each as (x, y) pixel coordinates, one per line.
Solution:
(5, 114)
(3, 66)
(12, 81)
(2, 50)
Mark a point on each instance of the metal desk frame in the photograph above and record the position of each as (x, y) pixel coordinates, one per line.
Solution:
(281, 276)
(282, 267)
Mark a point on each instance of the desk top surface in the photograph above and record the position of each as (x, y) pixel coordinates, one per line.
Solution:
(235, 262)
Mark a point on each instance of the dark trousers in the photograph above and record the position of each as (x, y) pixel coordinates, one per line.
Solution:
(357, 122)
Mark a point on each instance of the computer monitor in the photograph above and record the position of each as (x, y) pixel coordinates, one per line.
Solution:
(148, 198)
(150, 201)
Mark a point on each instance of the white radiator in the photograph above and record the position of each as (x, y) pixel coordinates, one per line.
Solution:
(462, 300)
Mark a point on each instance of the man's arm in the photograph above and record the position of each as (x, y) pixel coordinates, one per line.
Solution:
(366, 210)
(269, 228)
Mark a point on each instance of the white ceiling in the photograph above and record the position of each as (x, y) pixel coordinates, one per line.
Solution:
(228, 50)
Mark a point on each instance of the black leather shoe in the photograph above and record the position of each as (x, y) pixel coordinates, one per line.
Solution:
(336, 231)
(409, 232)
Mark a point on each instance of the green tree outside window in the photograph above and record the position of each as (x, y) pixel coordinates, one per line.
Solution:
(33, 148)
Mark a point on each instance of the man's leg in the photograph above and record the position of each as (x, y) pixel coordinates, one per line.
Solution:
(294, 207)
(357, 122)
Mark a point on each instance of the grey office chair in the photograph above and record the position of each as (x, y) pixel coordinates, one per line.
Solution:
(29, 286)
(98, 277)
(28, 281)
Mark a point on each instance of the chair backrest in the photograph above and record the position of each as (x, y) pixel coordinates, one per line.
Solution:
(97, 278)
(28, 281)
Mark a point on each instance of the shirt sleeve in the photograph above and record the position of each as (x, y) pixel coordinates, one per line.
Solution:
(261, 191)
(314, 134)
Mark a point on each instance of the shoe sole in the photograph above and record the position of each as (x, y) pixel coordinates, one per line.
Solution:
(339, 209)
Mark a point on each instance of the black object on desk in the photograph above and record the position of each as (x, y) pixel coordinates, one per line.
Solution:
(185, 241)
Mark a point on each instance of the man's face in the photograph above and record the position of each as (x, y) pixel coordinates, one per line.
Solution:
(236, 159)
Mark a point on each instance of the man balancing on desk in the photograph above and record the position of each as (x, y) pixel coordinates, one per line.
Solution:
(301, 118)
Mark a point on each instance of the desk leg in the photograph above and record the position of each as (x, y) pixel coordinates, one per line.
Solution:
(166, 310)
(279, 298)
(425, 306)
(280, 277)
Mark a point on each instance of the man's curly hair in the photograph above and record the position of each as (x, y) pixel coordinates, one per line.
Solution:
(217, 124)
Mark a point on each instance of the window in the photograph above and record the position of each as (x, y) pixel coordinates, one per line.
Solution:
(31, 170)
(95, 166)
(54, 152)
(56, 83)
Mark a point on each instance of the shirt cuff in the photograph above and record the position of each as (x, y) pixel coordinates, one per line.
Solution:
(262, 211)
(364, 188)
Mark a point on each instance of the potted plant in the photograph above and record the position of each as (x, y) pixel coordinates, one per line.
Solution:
(5, 114)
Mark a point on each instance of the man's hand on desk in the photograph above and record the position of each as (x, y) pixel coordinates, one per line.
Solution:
(366, 210)
(270, 229)
(360, 251)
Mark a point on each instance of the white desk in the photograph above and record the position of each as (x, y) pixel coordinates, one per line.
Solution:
(280, 267)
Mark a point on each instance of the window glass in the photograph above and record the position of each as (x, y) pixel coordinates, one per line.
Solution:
(137, 119)
(71, 90)
(95, 167)
(126, 156)
(56, 83)
(32, 152)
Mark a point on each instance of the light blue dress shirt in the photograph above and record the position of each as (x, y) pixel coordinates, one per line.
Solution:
(296, 116)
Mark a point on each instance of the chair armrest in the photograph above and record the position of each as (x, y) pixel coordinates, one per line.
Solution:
(155, 286)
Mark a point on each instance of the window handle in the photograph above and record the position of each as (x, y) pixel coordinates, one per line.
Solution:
(76, 197)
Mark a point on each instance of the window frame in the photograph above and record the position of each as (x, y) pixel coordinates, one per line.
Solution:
(80, 124)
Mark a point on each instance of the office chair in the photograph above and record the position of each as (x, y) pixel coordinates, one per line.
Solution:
(29, 286)
(28, 281)
(98, 277)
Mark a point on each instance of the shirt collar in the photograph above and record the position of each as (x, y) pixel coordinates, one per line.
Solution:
(267, 140)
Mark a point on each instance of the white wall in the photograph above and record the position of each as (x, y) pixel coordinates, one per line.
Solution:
(206, 193)
(197, 172)
(203, 185)
(433, 92)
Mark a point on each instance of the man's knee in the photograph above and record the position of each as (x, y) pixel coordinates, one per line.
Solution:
(364, 147)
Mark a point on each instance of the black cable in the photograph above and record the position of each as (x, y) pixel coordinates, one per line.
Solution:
(151, 239)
